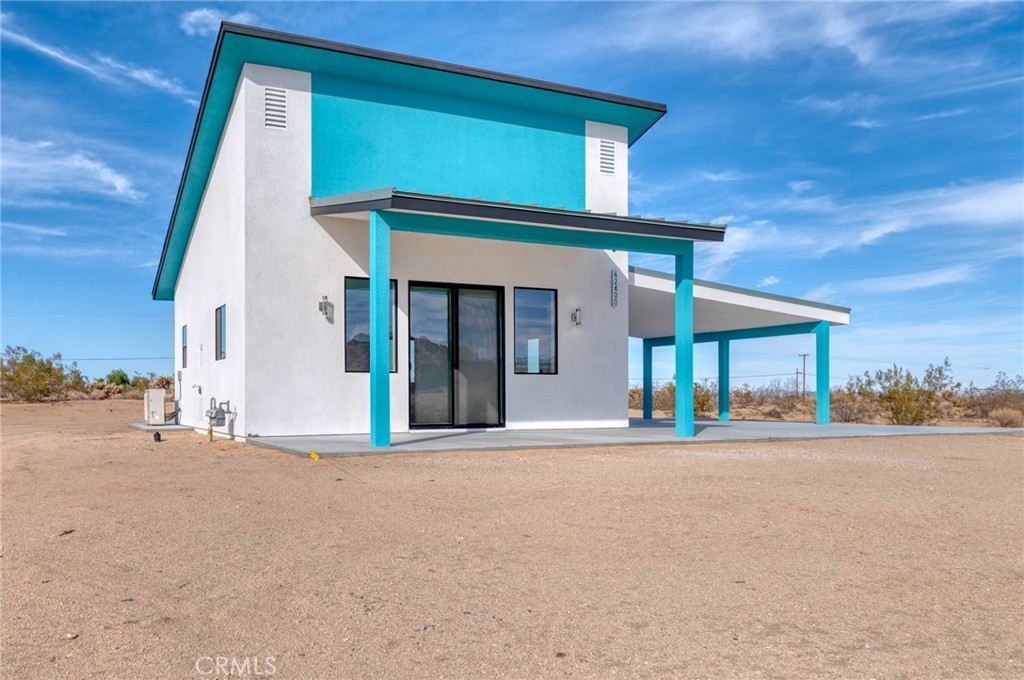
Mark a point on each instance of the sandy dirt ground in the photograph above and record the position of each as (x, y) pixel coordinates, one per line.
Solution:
(856, 558)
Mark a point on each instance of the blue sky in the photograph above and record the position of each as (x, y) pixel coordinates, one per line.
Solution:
(869, 155)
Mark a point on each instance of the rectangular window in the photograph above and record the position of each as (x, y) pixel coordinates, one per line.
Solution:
(220, 338)
(536, 330)
(184, 346)
(357, 325)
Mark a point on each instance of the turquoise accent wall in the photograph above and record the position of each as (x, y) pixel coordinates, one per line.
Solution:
(371, 135)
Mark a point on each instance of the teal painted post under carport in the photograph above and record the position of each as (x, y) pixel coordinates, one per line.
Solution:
(723, 380)
(380, 330)
(684, 340)
(648, 379)
(821, 333)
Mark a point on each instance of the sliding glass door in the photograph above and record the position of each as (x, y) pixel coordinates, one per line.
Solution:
(455, 356)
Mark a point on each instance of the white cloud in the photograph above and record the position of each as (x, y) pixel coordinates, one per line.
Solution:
(151, 78)
(31, 231)
(951, 113)
(768, 281)
(206, 21)
(104, 68)
(33, 168)
(867, 123)
(800, 186)
(855, 102)
(742, 31)
(724, 176)
(898, 283)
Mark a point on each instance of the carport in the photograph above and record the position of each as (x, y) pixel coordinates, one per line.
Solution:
(722, 314)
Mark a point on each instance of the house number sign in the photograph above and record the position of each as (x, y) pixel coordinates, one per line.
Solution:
(615, 288)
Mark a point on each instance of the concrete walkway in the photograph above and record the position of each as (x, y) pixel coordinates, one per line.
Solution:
(657, 431)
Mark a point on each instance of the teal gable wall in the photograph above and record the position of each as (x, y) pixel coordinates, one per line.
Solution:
(370, 135)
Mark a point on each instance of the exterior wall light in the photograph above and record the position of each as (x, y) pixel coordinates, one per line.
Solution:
(577, 317)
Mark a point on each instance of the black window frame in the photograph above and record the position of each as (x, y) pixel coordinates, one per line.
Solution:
(394, 327)
(515, 365)
(184, 345)
(220, 338)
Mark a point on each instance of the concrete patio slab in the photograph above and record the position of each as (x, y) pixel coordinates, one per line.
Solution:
(657, 431)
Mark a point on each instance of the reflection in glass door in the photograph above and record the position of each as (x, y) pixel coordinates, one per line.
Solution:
(455, 350)
(430, 366)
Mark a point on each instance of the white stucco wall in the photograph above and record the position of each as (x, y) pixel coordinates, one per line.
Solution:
(285, 372)
(212, 274)
(607, 192)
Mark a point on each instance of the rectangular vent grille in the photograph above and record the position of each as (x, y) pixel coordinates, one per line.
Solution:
(275, 108)
(607, 157)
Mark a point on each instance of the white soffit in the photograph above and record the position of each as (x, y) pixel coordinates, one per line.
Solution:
(717, 308)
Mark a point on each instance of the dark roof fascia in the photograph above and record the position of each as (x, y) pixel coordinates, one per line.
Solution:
(743, 291)
(435, 65)
(390, 199)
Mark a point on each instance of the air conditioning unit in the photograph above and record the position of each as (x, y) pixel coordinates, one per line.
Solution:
(153, 403)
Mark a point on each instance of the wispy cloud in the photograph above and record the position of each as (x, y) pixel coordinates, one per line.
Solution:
(853, 103)
(45, 168)
(951, 113)
(151, 78)
(867, 123)
(768, 281)
(800, 186)
(66, 252)
(102, 67)
(206, 21)
(724, 176)
(31, 231)
(991, 208)
(898, 283)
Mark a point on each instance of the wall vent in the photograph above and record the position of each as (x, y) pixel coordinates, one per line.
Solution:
(275, 108)
(607, 157)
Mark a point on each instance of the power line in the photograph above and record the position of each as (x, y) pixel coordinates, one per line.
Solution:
(120, 359)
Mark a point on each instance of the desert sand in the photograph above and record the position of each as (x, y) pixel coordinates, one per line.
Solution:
(855, 558)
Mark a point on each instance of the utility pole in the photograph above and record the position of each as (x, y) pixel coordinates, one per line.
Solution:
(805, 375)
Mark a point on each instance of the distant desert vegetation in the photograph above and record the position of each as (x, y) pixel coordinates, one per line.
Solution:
(893, 395)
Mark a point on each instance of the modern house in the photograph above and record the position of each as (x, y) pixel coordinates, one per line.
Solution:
(365, 242)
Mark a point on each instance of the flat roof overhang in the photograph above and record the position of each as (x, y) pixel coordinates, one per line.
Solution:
(718, 308)
(238, 45)
(414, 211)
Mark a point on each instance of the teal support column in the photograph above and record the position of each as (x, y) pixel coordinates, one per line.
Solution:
(821, 372)
(723, 380)
(684, 341)
(648, 379)
(380, 331)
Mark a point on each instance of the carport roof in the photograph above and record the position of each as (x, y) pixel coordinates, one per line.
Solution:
(717, 307)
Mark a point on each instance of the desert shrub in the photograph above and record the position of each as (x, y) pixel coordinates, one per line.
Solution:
(772, 413)
(1007, 417)
(75, 380)
(665, 397)
(741, 397)
(118, 377)
(29, 376)
(905, 399)
(1004, 393)
(850, 407)
(705, 396)
(636, 397)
